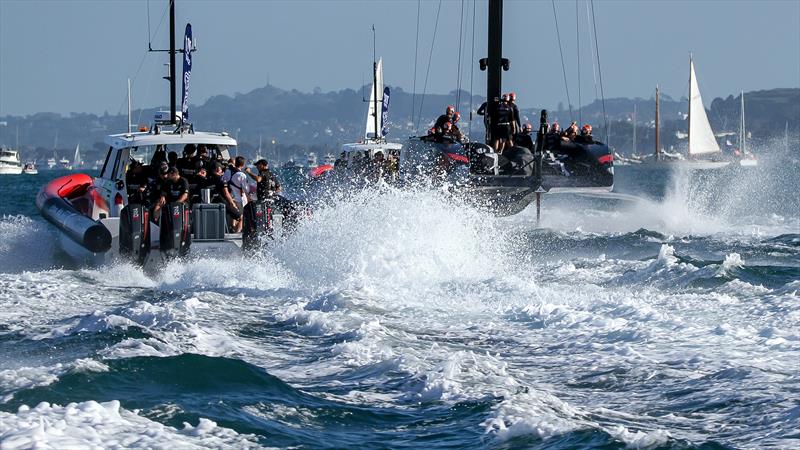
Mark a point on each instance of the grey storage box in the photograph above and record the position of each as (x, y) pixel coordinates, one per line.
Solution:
(208, 221)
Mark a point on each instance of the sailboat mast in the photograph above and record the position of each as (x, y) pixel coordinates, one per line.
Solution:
(742, 132)
(172, 105)
(494, 61)
(634, 128)
(658, 124)
(129, 105)
(689, 112)
(374, 84)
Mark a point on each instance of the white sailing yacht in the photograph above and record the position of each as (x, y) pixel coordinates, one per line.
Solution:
(76, 160)
(374, 142)
(703, 147)
(746, 157)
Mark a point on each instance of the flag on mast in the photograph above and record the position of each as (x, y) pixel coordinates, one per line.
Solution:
(187, 70)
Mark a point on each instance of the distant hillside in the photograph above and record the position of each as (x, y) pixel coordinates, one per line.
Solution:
(298, 122)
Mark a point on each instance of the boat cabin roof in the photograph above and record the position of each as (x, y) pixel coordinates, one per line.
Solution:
(146, 138)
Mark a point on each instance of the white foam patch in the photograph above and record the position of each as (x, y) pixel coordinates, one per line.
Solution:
(107, 425)
(426, 239)
(235, 272)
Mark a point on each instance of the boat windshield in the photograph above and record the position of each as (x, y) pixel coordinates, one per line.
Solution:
(147, 153)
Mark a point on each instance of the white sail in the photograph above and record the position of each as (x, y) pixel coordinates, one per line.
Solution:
(701, 137)
(374, 106)
(76, 160)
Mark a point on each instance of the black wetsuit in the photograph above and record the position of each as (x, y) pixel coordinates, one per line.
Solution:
(135, 181)
(515, 116)
(443, 119)
(265, 189)
(524, 140)
(503, 124)
(173, 190)
(186, 166)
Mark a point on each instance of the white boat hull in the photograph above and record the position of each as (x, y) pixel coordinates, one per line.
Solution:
(10, 170)
(748, 162)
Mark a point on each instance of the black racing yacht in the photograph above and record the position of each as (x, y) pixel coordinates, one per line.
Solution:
(506, 182)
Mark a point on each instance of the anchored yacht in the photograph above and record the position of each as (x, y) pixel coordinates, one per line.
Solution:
(9, 162)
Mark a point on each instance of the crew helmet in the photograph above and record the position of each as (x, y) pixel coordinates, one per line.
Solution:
(512, 96)
(555, 127)
(451, 109)
(528, 128)
(586, 129)
(456, 116)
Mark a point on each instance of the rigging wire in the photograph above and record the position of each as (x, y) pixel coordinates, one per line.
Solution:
(141, 62)
(416, 48)
(428, 70)
(578, 42)
(592, 52)
(460, 44)
(472, 70)
(599, 72)
(563, 68)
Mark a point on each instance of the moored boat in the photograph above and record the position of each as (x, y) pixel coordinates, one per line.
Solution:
(30, 168)
(10, 163)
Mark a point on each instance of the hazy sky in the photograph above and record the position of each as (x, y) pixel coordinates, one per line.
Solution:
(75, 55)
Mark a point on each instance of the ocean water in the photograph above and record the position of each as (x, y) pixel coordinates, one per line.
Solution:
(400, 319)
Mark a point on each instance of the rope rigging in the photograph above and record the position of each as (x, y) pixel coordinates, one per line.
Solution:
(428, 70)
(416, 49)
(472, 70)
(578, 42)
(563, 68)
(460, 43)
(600, 73)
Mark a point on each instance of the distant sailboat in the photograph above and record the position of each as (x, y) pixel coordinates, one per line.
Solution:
(76, 160)
(702, 143)
(747, 158)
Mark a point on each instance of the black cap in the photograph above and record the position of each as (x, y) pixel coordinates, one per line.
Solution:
(262, 162)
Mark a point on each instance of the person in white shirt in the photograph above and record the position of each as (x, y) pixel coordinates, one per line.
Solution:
(237, 185)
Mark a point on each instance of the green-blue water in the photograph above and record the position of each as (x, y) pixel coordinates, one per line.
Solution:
(401, 319)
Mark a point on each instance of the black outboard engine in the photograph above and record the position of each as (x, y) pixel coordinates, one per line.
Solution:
(174, 236)
(257, 225)
(134, 233)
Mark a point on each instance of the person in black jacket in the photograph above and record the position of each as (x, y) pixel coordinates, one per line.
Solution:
(444, 118)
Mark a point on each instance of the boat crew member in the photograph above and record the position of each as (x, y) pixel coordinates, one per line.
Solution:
(155, 188)
(237, 184)
(570, 133)
(446, 117)
(267, 186)
(136, 181)
(502, 129)
(186, 163)
(198, 183)
(455, 132)
(512, 102)
(173, 188)
(220, 194)
(524, 138)
(172, 159)
(586, 135)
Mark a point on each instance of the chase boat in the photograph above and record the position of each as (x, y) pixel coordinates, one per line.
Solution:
(97, 221)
